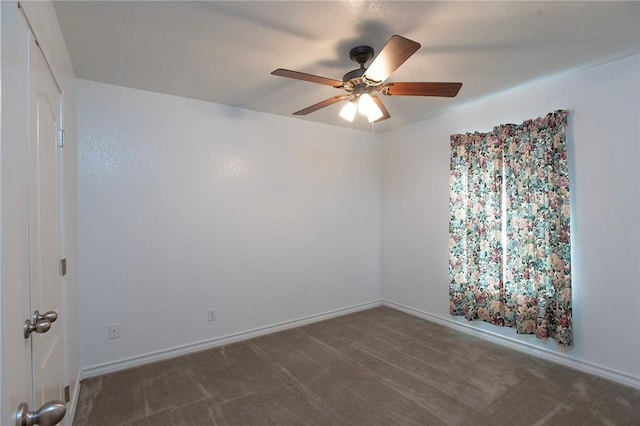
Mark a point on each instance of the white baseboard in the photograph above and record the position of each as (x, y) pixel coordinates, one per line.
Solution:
(135, 361)
(587, 367)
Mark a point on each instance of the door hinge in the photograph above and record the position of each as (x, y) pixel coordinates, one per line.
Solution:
(67, 396)
(63, 267)
(61, 141)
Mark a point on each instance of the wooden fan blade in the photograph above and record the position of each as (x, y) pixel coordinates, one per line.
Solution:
(448, 90)
(320, 105)
(385, 113)
(308, 77)
(397, 50)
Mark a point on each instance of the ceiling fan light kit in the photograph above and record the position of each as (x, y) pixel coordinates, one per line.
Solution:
(348, 111)
(362, 83)
(367, 107)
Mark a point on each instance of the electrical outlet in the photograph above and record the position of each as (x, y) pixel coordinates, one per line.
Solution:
(114, 331)
(212, 314)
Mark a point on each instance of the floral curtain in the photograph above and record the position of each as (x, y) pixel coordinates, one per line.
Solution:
(509, 248)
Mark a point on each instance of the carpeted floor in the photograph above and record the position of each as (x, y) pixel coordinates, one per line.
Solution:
(376, 367)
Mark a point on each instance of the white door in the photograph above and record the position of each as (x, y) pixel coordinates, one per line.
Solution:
(32, 366)
(44, 225)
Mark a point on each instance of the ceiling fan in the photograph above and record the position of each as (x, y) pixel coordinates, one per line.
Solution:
(364, 85)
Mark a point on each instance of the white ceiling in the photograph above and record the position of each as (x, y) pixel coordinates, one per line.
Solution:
(224, 51)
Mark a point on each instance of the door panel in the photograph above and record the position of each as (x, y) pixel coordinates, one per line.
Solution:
(44, 116)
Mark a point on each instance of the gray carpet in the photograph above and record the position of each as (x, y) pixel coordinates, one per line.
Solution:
(376, 367)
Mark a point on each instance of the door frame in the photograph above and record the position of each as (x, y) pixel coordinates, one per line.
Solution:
(14, 204)
(2, 391)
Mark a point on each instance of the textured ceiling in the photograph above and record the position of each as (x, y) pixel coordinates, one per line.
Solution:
(224, 52)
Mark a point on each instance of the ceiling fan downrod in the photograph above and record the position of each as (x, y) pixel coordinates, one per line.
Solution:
(361, 55)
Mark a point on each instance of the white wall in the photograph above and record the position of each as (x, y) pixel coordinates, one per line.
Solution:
(186, 205)
(604, 160)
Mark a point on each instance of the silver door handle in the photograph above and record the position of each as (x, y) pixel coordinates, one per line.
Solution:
(39, 327)
(41, 323)
(50, 316)
(49, 414)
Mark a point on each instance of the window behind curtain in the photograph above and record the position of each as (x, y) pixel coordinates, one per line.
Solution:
(509, 247)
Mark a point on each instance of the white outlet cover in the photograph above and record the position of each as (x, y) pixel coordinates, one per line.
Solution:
(114, 331)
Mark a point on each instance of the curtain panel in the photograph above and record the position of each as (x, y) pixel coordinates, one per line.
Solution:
(509, 245)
